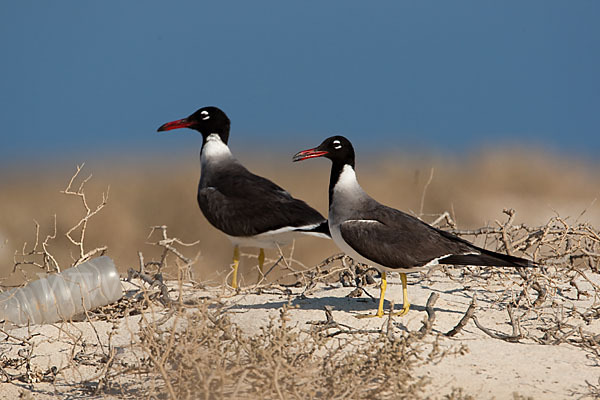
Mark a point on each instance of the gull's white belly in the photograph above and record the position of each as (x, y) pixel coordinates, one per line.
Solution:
(273, 239)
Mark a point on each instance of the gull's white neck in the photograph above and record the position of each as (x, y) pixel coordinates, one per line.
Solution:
(214, 150)
(347, 198)
(347, 184)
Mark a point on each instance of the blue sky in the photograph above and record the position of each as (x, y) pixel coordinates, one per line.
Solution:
(85, 78)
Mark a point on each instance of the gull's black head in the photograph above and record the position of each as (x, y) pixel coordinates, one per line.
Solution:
(337, 148)
(206, 120)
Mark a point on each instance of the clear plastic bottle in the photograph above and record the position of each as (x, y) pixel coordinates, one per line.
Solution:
(57, 297)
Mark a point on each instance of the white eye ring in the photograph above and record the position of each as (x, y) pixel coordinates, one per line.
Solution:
(337, 145)
(205, 113)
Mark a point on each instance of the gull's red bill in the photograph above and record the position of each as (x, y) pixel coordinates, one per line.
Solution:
(310, 153)
(180, 123)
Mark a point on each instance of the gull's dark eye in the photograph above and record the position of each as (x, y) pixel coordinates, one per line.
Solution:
(205, 113)
(337, 145)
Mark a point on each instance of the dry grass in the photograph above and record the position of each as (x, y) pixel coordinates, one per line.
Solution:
(214, 359)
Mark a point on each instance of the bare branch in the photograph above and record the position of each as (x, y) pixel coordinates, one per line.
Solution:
(463, 321)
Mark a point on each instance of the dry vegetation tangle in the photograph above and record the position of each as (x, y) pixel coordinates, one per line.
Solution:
(180, 332)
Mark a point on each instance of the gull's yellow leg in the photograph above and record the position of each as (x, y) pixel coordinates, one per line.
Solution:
(381, 295)
(381, 299)
(236, 263)
(261, 262)
(405, 303)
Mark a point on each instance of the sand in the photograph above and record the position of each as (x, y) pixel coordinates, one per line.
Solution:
(486, 368)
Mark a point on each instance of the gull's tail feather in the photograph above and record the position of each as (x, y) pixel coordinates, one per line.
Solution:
(320, 230)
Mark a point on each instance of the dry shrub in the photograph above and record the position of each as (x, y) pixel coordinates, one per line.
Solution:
(554, 303)
(39, 255)
(214, 359)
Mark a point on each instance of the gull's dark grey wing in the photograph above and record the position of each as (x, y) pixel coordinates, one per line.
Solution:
(395, 239)
(240, 203)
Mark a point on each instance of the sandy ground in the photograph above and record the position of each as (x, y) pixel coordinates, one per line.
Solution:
(490, 369)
